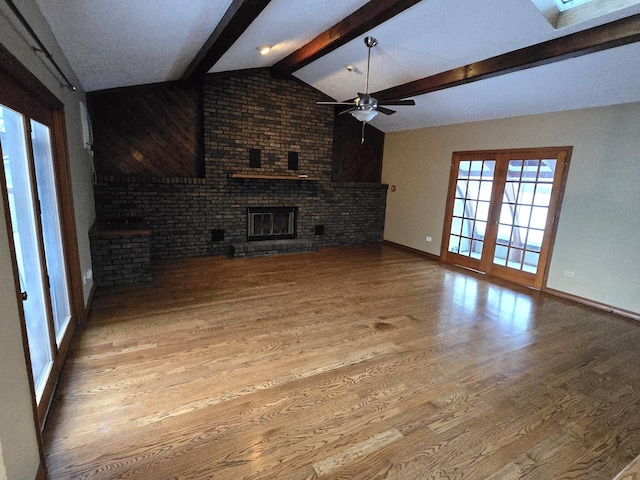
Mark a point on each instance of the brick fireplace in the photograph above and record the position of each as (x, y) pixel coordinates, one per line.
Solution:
(254, 126)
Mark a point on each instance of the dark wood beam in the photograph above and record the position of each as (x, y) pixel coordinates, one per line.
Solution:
(603, 37)
(358, 23)
(237, 18)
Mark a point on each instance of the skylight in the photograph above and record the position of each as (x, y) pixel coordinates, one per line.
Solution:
(564, 13)
(567, 4)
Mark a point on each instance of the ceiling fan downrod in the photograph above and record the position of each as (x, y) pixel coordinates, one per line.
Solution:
(370, 42)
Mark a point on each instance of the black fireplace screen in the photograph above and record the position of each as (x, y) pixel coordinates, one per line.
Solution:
(271, 223)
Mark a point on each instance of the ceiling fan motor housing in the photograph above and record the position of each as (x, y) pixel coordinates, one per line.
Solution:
(366, 102)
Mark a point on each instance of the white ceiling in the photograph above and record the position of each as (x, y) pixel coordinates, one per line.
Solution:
(116, 43)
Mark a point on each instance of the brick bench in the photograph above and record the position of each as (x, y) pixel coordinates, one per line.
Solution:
(271, 247)
(121, 252)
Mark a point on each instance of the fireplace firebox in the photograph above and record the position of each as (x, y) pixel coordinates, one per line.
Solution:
(271, 223)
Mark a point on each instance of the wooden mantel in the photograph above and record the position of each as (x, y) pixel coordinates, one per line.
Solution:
(271, 177)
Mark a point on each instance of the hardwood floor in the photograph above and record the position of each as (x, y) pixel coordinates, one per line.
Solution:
(347, 363)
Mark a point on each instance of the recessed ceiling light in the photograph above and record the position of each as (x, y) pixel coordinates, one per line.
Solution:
(264, 49)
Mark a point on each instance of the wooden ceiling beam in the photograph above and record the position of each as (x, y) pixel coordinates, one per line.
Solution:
(603, 37)
(237, 18)
(358, 23)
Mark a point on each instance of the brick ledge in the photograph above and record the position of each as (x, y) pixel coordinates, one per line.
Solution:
(271, 247)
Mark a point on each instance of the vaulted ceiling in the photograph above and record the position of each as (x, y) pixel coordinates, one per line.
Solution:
(460, 60)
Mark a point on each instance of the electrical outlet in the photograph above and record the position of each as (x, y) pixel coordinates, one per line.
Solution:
(567, 273)
(429, 239)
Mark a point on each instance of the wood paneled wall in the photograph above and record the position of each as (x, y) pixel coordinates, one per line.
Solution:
(148, 131)
(352, 160)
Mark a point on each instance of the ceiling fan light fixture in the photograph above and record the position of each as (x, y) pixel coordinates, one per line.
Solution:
(364, 114)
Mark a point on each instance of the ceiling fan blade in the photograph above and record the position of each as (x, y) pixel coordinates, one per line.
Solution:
(398, 102)
(334, 103)
(347, 110)
(386, 111)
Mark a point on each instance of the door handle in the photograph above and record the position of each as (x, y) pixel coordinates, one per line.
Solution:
(24, 296)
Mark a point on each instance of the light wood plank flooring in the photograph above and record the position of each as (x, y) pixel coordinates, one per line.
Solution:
(347, 363)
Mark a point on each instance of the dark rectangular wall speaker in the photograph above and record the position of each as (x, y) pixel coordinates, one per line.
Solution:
(254, 158)
(293, 161)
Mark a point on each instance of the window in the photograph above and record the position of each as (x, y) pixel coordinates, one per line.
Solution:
(27, 156)
(36, 190)
(567, 4)
(564, 13)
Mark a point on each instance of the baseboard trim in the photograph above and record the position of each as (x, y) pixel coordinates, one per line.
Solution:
(412, 250)
(87, 307)
(42, 472)
(592, 303)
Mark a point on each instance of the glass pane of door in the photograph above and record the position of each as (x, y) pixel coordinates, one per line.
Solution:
(23, 219)
(52, 235)
(470, 215)
(523, 213)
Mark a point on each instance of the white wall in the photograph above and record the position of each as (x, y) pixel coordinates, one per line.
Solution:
(599, 223)
(20, 456)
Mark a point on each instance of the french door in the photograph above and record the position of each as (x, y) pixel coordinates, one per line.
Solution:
(502, 209)
(29, 181)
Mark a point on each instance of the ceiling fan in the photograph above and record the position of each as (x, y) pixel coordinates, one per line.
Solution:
(364, 107)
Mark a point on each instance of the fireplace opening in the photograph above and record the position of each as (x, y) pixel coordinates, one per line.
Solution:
(271, 223)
